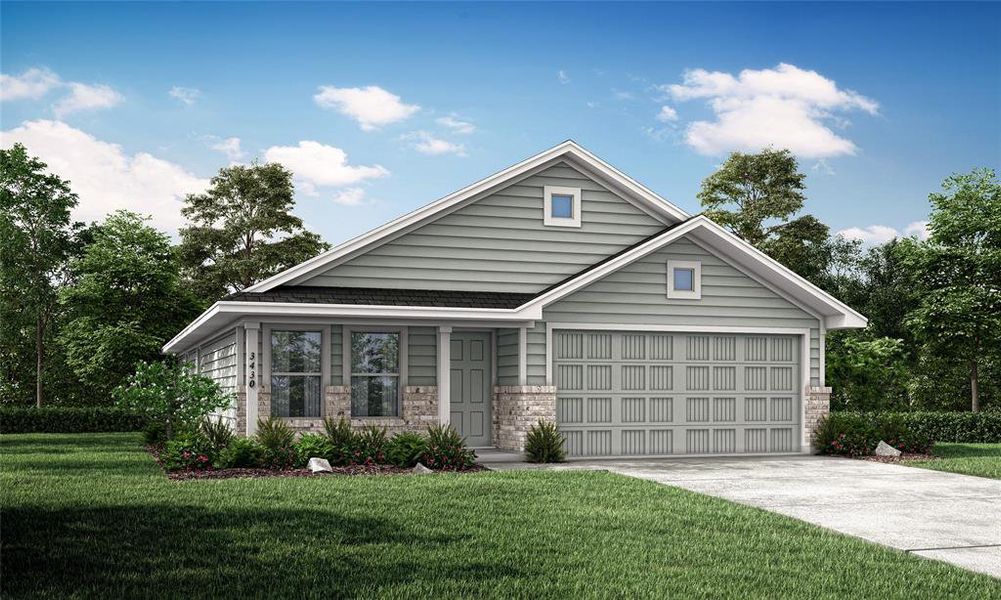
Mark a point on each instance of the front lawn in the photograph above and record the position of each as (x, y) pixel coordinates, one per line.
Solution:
(92, 516)
(983, 460)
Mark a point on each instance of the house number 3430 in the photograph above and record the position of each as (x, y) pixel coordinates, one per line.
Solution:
(252, 374)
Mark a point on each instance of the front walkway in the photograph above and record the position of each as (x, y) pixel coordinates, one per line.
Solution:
(945, 516)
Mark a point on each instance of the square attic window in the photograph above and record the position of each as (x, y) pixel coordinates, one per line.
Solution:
(561, 206)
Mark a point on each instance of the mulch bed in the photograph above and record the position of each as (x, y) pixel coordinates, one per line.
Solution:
(896, 459)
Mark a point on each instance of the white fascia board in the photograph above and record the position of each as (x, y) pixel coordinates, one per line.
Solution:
(568, 149)
(837, 315)
(173, 346)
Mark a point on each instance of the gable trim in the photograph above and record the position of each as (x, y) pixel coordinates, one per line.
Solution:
(570, 151)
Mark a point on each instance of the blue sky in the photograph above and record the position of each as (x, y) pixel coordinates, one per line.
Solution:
(380, 108)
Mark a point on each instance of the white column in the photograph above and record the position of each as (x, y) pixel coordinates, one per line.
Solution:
(522, 356)
(253, 371)
(444, 373)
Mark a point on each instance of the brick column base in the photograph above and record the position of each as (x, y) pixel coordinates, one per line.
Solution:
(516, 408)
(241, 411)
(818, 406)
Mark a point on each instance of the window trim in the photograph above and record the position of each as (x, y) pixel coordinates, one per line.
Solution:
(547, 206)
(323, 373)
(346, 332)
(693, 265)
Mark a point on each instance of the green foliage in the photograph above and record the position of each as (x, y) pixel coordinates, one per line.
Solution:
(370, 445)
(312, 445)
(278, 441)
(243, 230)
(545, 443)
(125, 300)
(405, 449)
(858, 433)
(170, 394)
(446, 450)
(188, 450)
(343, 440)
(36, 238)
(867, 373)
(69, 419)
(217, 433)
(155, 434)
(242, 453)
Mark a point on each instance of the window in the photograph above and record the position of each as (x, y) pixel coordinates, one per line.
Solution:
(561, 206)
(375, 374)
(295, 373)
(684, 279)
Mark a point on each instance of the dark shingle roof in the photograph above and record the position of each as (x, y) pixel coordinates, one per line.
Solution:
(383, 297)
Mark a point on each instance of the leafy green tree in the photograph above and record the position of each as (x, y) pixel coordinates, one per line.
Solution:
(959, 315)
(36, 237)
(243, 230)
(127, 299)
(867, 373)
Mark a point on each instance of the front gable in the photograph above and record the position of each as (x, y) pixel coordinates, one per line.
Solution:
(499, 242)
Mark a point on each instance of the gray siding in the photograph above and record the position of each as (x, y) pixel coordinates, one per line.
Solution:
(336, 355)
(499, 243)
(422, 356)
(536, 355)
(507, 357)
(217, 361)
(636, 295)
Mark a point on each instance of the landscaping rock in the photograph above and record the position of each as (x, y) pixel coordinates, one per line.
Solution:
(319, 465)
(421, 470)
(884, 449)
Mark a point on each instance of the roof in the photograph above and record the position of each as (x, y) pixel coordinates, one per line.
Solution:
(383, 297)
(569, 152)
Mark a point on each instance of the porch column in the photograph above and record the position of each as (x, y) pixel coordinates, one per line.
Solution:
(444, 373)
(253, 371)
(523, 356)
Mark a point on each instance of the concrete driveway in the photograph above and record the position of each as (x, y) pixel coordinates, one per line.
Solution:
(949, 517)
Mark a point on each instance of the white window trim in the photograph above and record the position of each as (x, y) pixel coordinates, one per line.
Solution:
(324, 353)
(696, 292)
(547, 206)
(403, 358)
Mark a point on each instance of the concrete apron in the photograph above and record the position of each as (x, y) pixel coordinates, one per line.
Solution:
(943, 516)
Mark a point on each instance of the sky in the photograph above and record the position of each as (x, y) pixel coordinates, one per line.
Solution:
(380, 108)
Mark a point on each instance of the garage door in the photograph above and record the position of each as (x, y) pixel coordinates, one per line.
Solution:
(645, 393)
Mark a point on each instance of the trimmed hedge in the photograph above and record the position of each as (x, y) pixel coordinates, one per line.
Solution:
(857, 434)
(69, 419)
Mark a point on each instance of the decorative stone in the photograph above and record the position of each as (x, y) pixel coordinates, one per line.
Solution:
(884, 449)
(319, 465)
(421, 470)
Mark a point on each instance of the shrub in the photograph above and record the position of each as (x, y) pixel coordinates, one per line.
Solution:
(217, 433)
(343, 440)
(405, 449)
(155, 434)
(187, 451)
(370, 445)
(545, 443)
(170, 394)
(964, 427)
(277, 439)
(312, 445)
(242, 453)
(69, 419)
(446, 450)
(858, 434)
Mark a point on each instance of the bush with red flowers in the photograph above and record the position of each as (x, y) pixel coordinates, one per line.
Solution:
(446, 450)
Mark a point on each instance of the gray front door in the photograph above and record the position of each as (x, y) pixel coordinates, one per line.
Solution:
(470, 387)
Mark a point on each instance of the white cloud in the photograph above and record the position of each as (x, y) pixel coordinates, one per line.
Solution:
(350, 197)
(315, 165)
(667, 114)
(371, 106)
(31, 84)
(880, 234)
(456, 125)
(105, 177)
(785, 107)
(185, 94)
(562, 76)
(425, 143)
(87, 97)
(229, 146)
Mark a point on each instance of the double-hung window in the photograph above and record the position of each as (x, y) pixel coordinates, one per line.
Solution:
(375, 373)
(295, 373)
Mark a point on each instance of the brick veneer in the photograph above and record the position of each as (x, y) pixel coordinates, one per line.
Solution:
(516, 408)
(818, 405)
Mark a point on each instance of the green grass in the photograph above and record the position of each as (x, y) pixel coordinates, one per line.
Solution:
(91, 516)
(983, 460)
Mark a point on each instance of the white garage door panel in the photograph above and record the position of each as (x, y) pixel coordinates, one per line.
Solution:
(650, 394)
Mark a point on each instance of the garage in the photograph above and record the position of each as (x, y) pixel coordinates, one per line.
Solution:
(624, 393)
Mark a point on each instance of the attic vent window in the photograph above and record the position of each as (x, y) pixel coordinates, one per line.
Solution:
(561, 206)
(684, 279)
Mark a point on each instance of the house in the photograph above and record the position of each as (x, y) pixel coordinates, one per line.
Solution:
(557, 289)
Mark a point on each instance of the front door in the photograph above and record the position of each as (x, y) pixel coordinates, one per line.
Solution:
(470, 388)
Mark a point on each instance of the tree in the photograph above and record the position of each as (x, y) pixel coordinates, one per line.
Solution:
(755, 196)
(36, 237)
(960, 270)
(243, 230)
(126, 301)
